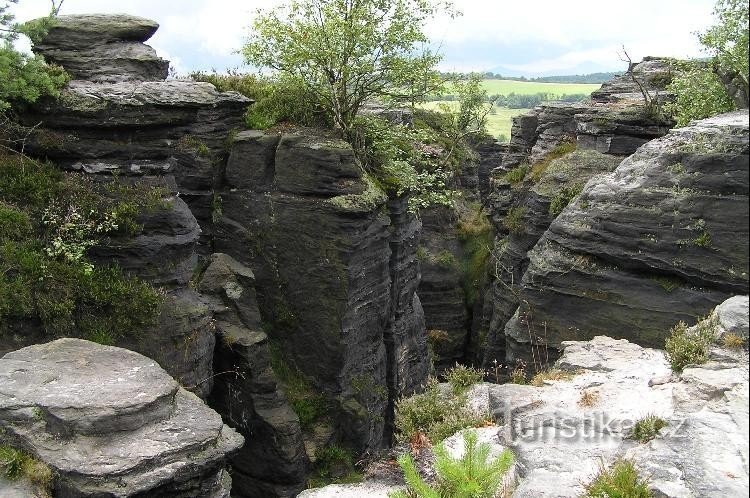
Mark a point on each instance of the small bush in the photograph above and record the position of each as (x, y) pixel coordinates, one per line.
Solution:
(699, 93)
(333, 465)
(647, 428)
(517, 174)
(473, 475)
(433, 414)
(689, 347)
(461, 378)
(446, 259)
(15, 465)
(277, 100)
(619, 481)
(514, 220)
(563, 198)
(733, 341)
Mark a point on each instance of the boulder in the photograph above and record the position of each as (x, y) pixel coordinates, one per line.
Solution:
(110, 422)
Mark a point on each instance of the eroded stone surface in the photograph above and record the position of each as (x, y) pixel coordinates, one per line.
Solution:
(111, 422)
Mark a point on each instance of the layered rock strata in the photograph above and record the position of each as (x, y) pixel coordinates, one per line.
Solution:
(336, 270)
(110, 422)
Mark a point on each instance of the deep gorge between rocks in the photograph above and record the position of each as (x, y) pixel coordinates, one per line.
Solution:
(285, 266)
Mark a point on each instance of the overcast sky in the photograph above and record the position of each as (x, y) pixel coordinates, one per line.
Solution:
(529, 37)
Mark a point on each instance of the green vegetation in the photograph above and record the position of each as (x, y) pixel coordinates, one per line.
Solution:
(445, 259)
(563, 198)
(517, 174)
(702, 240)
(48, 221)
(15, 465)
(701, 87)
(309, 405)
(647, 428)
(461, 378)
(621, 480)
(278, 100)
(25, 78)
(514, 220)
(667, 283)
(433, 414)
(478, 237)
(690, 347)
(473, 475)
(333, 465)
(347, 53)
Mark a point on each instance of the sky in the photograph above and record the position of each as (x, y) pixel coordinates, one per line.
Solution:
(514, 38)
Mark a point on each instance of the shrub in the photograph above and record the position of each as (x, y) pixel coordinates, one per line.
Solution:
(621, 480)
(514, 220)
(517, 174)
(333, 465)
(733, 341)
(15, 465)
(647, 428)
(277, 100)
(48, 221)
(472, 475)
(461, 378)
(689, 347)
(698, 93)
(563, 198)
(433, 414)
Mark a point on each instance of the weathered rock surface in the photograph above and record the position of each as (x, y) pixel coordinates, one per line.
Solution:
(111, 422)
(245, 390)
(101, 47)
(648, 245)
(370, 489)
(336, 273)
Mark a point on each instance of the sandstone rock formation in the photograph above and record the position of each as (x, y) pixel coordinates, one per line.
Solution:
(110, 422)
(647, 245)
(336, 269)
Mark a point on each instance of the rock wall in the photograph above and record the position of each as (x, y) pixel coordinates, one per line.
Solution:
(110, 422)
(554, 151)
(648, 245)
(336, 269)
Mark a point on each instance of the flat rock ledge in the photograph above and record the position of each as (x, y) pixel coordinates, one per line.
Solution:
(111, 423)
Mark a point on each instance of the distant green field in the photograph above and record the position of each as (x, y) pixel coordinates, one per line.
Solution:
(505, 87)
(498, 121)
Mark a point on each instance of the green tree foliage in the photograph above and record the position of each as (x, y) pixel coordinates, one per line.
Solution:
(701, 87)
(348, 52)
(473, 475)
(25, 78)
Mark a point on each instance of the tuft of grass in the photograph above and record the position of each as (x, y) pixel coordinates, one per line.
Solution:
(461, 378)
(702, 240)
(517, 174)
(333, 465)
(589, 398)
(514, 222)
(667, 283)
(733, 341)
(16, 464)
(563, 198)
(550, 375)
(621, 480)
(445, 259)
(647, 428)
(690, 347)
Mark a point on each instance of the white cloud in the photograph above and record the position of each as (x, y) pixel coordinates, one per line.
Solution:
(584, 30)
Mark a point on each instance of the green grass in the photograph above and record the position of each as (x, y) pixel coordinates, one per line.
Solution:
(15, 465)
(499, 121)
(647, 428)
(619, 481)
(505, 87)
